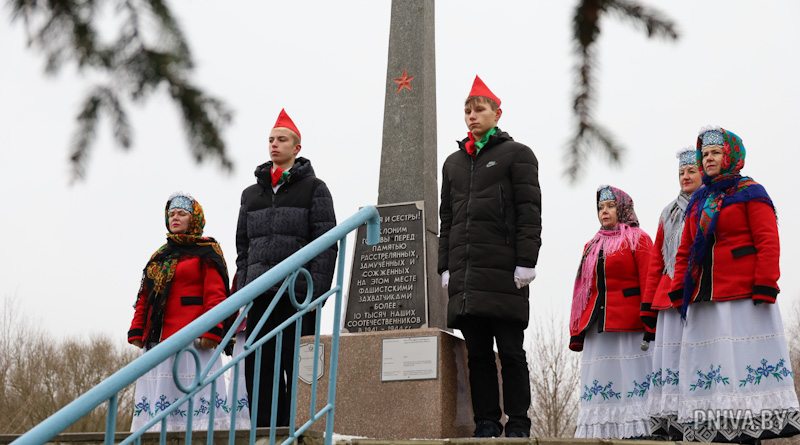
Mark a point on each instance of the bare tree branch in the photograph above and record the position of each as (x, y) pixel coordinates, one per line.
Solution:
(40, 374)
(554, 380)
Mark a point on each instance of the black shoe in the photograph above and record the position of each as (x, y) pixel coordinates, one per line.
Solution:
(486, 428)
(517, 434)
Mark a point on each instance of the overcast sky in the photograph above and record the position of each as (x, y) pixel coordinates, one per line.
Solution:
(72, 255)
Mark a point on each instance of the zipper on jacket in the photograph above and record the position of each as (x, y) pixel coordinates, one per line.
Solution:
(604, 305)
(466, 229)
(504, 226)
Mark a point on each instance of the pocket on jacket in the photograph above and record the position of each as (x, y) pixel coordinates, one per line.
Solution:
(743, 251)
(191, 301)
(631, 292)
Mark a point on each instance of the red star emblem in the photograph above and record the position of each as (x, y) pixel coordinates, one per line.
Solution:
(403, 82)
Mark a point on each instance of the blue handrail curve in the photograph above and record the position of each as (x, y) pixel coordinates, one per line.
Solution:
(180, 342)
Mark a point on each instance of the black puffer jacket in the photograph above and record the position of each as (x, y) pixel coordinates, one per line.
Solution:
(490, 223)
(274, 225)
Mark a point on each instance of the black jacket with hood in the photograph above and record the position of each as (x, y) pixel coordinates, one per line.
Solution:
(490, 223)
(274, 225)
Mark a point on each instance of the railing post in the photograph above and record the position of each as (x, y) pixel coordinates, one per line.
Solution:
(313, 406)
(334, 361)
(234, 403)
(111, 420)
(255, 395)
(212, 409)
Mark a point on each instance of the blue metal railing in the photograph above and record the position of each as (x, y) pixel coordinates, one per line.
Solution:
(179, 343)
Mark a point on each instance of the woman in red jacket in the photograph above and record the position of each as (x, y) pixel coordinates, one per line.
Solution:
(184, 278)
(662, 399)
(605, 323)
(735, 373)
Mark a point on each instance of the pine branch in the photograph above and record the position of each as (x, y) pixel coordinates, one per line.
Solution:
(589, 135)
(101, 99)
(65, 32)
(119, 119)
(84, 135)
(652, 21)
(170, 31)
(202, 116)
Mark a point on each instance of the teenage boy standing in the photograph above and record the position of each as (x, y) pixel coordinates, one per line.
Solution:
(287, 208)
(488, 247)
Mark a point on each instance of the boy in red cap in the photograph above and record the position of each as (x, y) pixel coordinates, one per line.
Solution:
(287, 208)
(488, 247)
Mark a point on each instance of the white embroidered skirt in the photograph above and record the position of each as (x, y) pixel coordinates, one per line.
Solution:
(663, 396)
(615, 379)
(735, 373)
(156, 391)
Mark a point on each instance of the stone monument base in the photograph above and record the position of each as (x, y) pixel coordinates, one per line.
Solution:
(366, 406)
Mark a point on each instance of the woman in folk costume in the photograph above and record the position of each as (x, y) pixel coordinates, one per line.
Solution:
(735, 374)
(605, 323)
(662, 398)
(184, 278)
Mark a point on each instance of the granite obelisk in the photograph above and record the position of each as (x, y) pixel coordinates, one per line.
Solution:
(408, 157)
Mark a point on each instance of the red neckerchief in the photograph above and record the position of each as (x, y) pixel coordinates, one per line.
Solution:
(470, 145)
(276, 174)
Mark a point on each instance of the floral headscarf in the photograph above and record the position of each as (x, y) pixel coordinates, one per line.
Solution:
(607, 241)
(732, 149)
(625, 212)
(196, 224)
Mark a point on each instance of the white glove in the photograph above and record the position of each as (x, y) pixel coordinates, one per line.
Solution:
(445, 279)
(523, 276)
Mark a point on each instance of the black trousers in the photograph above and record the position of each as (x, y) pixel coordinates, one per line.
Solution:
(282, 312)
(480, 334)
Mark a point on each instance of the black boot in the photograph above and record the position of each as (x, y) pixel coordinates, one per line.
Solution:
(487, 428)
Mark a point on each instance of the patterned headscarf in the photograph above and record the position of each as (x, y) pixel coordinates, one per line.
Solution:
(625, 213)
(196, 224)
(160, 269)
(672, 216)
(181, 201)
(607, 241)
(733, 151)
(720, 191)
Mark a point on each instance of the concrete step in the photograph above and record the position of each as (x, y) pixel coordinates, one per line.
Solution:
(504, 441)
(316, 438)
(177, 438)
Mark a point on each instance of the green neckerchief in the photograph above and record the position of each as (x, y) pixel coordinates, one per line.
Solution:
(479, 144)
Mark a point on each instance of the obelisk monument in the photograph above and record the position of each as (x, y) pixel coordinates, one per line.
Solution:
(395, 285)
(408, 155)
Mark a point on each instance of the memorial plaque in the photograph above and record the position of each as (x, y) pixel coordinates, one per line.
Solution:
(305, 370)
(388, 281)
(411, 358)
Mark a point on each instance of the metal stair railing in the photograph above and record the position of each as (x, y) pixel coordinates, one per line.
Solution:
(181, 343)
